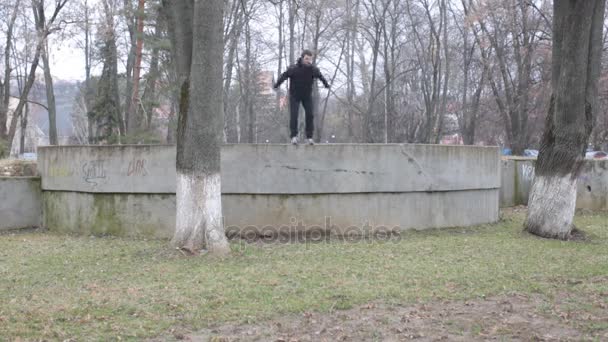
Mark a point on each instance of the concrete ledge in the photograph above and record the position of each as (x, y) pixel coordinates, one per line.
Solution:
(153, 216)
(20, 202)
(277, 169)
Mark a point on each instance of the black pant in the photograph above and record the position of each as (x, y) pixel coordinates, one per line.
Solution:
(294, 107)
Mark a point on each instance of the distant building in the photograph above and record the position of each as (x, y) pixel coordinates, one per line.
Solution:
(452, 139)
(266, 82)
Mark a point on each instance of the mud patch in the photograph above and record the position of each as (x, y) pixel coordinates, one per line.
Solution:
(510, 318)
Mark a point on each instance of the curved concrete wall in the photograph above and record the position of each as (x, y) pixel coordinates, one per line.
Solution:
(276, 169)
(20, 202)
(129, 190)
(518, 174)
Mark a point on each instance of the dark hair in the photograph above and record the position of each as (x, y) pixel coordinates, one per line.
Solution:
(307, 53)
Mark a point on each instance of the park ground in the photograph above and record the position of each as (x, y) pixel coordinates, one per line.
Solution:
(487, 282)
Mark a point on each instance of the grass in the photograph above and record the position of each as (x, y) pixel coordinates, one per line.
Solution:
(61, 287)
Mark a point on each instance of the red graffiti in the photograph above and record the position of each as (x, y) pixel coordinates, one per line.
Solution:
(137, 168)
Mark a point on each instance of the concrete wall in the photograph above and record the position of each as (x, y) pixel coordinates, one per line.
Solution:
(593, 186)
(148, 215)
(20, 203)
(276, 169)
(129, 190)
(516, 181)
(518, 174)
(135, 215)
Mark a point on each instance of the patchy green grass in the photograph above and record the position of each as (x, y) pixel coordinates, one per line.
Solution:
(58, 287)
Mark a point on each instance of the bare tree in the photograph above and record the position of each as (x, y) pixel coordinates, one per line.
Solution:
(136, 118)
(248, 78)
(82, 31)
(511, 28)
(43, 29)
(374, 36)
(149, 100)
(433, 58)
(5, 83)
(474, 73)
(232, 33)
(50, 90)
(88, 94)
(129, 16)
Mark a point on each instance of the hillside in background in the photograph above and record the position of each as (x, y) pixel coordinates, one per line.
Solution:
(65, 93)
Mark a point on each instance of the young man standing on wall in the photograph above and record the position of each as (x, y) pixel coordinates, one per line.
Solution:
(301, 75)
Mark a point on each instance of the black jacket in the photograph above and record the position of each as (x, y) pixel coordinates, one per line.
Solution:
(302, 77)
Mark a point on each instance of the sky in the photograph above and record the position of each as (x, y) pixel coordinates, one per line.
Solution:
(66, 60)
(67, 63)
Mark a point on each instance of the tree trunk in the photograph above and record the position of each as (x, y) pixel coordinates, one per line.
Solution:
(198, 43)
(238, 111)
(316, 97)
(24, 129)
(577, 48)
(89, 96)
(281, 43)
(323, 114)
(390, 64)
(5, 89)
(131, 27)
(292, 30)
(446, 76)
(250, 83)
(38, 10)
(353, 22)
(113, 55)
(232, 40)
(135, 117)
(371, 101)
(149, 97)
(50, 96)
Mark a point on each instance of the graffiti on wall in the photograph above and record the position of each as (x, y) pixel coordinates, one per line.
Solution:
(60, 171)
(93, 171)
(137, 167)
(527, 171)
(96, 171)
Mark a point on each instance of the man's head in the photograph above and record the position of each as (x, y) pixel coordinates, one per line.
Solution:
(307, 57)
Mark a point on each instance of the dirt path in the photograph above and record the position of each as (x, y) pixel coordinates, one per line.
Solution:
(513, 318)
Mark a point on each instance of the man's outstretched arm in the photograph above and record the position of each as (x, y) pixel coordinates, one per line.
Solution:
(320, 76)
(283, 78)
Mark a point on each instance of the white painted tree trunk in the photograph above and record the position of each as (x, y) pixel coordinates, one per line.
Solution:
(196, 33)
(552, 206)
(576, 64)
(199, 215)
